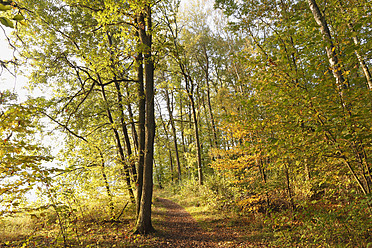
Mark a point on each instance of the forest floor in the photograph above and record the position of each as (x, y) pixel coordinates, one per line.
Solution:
(186, 220)
(179, 229)
(175, 227)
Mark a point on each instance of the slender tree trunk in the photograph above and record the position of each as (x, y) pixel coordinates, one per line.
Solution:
(206, 71)
(121, 111)
(181, 124)
(261, 168)
(107, 186)
(118, 145)
(167, 140)
(187, 78)
(130, 113)
(174, 134)
(330, 48)
(196, 131)
(340, 81)
(362, 63)
(289, 190)
(125, 133)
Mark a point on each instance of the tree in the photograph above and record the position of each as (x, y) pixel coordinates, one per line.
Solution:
(145, 30)
(119, 29)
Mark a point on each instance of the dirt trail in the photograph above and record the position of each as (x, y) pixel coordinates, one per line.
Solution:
(181, 230)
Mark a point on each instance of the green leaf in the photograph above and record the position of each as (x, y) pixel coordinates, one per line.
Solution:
(6, 22)
(5, 7)
(18, 17)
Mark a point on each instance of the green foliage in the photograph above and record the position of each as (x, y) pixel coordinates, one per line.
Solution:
(85, 224)
(289, 127)
(7, 6)
(6, 22)
(322, 223)
(250, 95)
(21, 157)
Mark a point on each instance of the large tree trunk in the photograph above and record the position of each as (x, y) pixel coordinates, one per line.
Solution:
(141, 129)
(144, 224)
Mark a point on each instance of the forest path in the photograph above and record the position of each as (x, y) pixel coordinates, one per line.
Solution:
(179, 229)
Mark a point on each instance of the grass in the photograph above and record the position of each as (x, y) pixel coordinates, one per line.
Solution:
(12, 228)
(316, 224)
(209, 218)
(88, 227)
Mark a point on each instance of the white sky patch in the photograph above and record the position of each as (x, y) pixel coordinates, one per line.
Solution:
(10, 79)
(13, 80)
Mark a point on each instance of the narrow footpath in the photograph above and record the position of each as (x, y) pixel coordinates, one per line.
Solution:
(179, 229)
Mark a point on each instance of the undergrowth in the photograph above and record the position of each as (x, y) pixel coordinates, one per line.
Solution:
(88, 224)
(325, 222)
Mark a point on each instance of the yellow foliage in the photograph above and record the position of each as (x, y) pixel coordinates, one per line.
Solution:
(250, 204)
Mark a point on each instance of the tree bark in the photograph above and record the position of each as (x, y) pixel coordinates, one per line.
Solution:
(144, 224)
(196, 129)
(362, 63)
(174, 134)
(330, 48)
(141, 127)
(118, 145)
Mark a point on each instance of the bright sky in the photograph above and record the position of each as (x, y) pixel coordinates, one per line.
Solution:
(17, 83)
(7, 81)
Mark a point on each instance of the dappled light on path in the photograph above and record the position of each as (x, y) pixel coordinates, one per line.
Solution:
(181, 230)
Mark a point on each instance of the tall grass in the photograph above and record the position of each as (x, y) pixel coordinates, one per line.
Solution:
(64, 225)
(326, 222)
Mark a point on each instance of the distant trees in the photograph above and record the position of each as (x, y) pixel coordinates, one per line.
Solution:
(299, 119)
